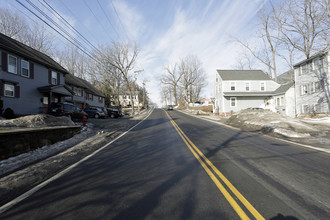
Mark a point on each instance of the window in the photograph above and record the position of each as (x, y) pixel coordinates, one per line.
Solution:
(89, 97)
(124, 97)
(77, 91)
(232, 86)
(304, 89)
(282, 100)
(247, 86)
(278, 102)
(9, 90)
(262, 86)
(233, 102)
(100, 99)
(54, 78)
(12, 64)
(25, 68)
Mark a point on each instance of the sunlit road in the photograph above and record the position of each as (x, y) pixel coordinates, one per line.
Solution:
(174, 166)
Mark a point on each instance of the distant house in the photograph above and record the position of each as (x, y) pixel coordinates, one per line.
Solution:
(240, 89)
(125, 99)
(312, 79)
(84, 92)
(29, 79)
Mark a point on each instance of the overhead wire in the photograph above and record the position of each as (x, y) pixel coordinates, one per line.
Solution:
(119, 19)
(108, 19)
(56, 24)
(57, 31)
(105, 30)
(68, 24)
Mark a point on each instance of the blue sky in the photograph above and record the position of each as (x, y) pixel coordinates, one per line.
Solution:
(165, 30)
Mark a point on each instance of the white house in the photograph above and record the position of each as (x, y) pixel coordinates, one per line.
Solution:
(312, 79)
(125, 99)
(240, 89)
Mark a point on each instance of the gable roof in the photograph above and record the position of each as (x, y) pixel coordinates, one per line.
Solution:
(18, 48)
(76, 81)
(285, 77)
(283, 88)
(243, 75)
(319, 54)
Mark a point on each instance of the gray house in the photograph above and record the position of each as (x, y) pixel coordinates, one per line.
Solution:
(84, 92)
(240, 89)
(312, 78)
(29, 79)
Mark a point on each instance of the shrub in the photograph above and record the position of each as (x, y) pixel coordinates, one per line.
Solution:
(9, 113)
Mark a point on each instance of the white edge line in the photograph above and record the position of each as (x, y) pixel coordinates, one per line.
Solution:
(265, 135)
(43, 184)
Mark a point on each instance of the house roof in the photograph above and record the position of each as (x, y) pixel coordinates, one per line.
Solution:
(285, 78)
(283, 88)
(76, 81)
(321, 53)
(18, 48)
(243, 75)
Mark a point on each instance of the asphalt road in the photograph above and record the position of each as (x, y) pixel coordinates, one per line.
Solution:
(174, 166)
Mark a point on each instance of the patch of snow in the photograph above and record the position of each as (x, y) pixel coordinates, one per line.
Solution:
(290, 133)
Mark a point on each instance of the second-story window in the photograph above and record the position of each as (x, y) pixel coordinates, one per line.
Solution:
(262, 86)
(232, 86)
(247, 86)
(25, 68)
(100, 99)
(54, 78)
(12, 64)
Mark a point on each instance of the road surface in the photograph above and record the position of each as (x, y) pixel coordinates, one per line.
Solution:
(175, 166)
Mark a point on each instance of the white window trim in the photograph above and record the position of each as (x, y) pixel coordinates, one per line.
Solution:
(234, 86)
(10, 56)
(28, 68)
(10, 85)
(233, 98)
(54, 77)
(264, 86)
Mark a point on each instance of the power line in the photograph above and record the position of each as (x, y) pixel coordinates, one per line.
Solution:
(97, 19)
(119, 19)
(56, 24)
(68, 24)
(108, 18)
(72, 42)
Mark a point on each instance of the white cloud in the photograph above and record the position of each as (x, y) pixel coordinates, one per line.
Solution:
(204, 32)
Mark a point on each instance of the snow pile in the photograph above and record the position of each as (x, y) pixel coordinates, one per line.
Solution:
(34, 121)
(270, 122)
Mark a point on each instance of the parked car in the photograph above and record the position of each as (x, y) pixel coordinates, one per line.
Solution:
(105, 111)
(66, 109)
(95, 112)
(170, 107)
(114, 112)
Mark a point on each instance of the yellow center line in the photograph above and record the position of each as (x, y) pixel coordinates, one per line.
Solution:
(229, 198)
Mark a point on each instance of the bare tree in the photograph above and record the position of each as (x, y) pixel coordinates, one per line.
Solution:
(270, 34)
(123, 57)
(244, 61)
(304, 24)
(11, 24)
(192, 75)
(171, 78)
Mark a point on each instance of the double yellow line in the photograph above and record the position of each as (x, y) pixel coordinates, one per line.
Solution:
(209, 167)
